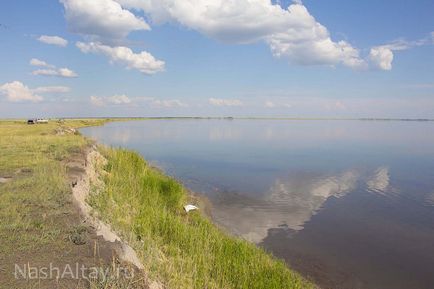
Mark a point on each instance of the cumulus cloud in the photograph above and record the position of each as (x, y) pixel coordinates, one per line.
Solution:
(276, 104)
(269, 104)
(97, 100)
(168, 103)
(305, 41)
(16, 91)
(65, 72)
(291, 33)
(225, 102)
(52, 89)
(61, 72)
(53, 40)
(119, 99)
(382, 56)
(123, 99)
(105, 23)
(102, 20)
(38, 62)
(115, 99)
(143, 61)
(51, 70)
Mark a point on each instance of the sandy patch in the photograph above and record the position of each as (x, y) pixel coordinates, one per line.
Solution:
(4, 180)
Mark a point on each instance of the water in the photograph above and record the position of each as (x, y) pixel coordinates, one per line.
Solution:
(349, 204)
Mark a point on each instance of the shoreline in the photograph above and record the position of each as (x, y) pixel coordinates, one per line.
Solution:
(140, 204)
(203, 217)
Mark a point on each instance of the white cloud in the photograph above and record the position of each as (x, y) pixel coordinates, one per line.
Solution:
(305, 41)
(96, 100)
(115, 99)
(102, 20)
(119, 99)
(269, 104)
(340, 105)
(54, 40)
(336, 105)
(382, 56)
(16, 91)
(51, 70)
(279, 104)
(52, 89)
(143, 61)
(37, 62)
(149, 101)
(292, 34)
(65, 72)
(225, 102)
(61, 72)
(168, 103)
(45, 72)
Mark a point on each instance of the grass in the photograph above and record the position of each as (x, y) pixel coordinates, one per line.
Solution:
(182, 250)
(31, 156)
(37, 216)
(38, 222)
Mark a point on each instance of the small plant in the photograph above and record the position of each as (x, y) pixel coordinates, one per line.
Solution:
(78, 235)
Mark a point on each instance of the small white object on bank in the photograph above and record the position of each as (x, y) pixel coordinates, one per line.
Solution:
(189, 208)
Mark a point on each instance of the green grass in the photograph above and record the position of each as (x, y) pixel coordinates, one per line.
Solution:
(31, 155)
(36, 210)
(182, 250)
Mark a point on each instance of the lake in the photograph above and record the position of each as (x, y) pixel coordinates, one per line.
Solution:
(348, 204)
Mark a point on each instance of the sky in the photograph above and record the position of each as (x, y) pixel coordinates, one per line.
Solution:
(80, 58)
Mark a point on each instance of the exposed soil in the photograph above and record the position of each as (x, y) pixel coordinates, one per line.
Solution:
(82, 175)
(4, 180)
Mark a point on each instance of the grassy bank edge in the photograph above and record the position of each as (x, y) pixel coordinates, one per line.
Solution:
(38, 220)
(182, 250)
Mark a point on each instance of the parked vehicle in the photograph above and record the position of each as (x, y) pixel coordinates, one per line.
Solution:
(37, 121)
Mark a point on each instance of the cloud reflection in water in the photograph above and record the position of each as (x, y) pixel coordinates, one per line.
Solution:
(290, 202)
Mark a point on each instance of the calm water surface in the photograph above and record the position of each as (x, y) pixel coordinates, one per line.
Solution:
(349, 204)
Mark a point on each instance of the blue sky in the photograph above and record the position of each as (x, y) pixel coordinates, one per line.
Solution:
(217, 57)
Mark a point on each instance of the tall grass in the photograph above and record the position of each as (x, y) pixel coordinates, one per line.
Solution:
(182, 250)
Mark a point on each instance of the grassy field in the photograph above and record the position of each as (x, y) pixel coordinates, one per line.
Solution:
(37, 216)
(30, 161)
